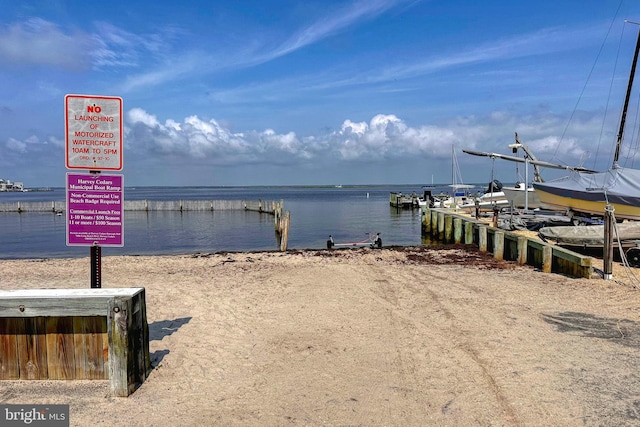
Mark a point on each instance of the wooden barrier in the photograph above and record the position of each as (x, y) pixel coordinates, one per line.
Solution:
(506, 245)
(153, 205)
(67, 334)
(281, 218)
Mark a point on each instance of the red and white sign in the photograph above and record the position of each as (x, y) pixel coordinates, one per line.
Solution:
(93, 132)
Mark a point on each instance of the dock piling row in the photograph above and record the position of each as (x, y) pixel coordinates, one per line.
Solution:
(448, 227)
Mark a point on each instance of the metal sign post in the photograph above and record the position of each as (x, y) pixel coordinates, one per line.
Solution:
(96, 266)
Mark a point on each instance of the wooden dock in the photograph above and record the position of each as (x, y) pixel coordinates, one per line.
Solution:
(448, 227)
(403, 201)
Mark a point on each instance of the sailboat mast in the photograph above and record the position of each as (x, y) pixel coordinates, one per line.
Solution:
(626, 103)
(453, 165)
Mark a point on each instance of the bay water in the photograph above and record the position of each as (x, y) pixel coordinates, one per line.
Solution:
(347, 213)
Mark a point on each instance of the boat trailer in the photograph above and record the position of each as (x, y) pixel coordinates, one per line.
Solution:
(373, 240)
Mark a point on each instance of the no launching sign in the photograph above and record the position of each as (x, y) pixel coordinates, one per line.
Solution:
(93, 132)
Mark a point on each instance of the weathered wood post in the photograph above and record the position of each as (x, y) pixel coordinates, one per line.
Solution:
(128, 333)
(468, 232)
(285, 231)
(457, 230)
(441, 225)
(448, 229)
(482, 238)
(118, 325)
(434, 223)
(426, 222)
(547, 259)
(498, 245)
(522, 250)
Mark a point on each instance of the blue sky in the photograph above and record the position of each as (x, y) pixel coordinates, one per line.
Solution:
(318, 92)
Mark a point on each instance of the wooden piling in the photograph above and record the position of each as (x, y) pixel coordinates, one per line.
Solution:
(468, 232)
(482, 238)
(522, 250)
(547, 259)
(498, 245)
(448, 229)
(504, 245)
(284, 236)
(457, 230)
(426, 222)
(434, 223)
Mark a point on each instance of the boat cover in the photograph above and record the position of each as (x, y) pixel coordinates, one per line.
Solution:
(589, 235)
(615, 186)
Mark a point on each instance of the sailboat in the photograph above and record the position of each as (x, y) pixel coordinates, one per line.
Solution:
(460, 191)
(590, 193)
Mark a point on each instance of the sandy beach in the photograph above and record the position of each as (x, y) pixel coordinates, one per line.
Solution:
(391, 337)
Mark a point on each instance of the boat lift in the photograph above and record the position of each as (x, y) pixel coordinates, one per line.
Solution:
(373, 240)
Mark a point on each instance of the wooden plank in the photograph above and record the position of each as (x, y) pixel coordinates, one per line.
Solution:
(88, 335)
(96, 330)
(60, 348)
(59, 302)
(105, 346)
(571, 256)
(79, 345)
(9, 362)
(32, 349)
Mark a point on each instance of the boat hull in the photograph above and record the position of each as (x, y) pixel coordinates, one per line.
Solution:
(516, 197)
(590, 193)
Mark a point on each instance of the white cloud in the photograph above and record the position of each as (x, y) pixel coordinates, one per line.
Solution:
(16, 146)
(39, 42)
(384, 139)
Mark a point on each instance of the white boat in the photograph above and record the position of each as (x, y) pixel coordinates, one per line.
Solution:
(492, 199)
(516, 197)
(460, 193)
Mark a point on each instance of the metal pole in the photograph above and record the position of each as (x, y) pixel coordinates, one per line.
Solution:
(607, 254)
(526, 184)
(96, 266)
